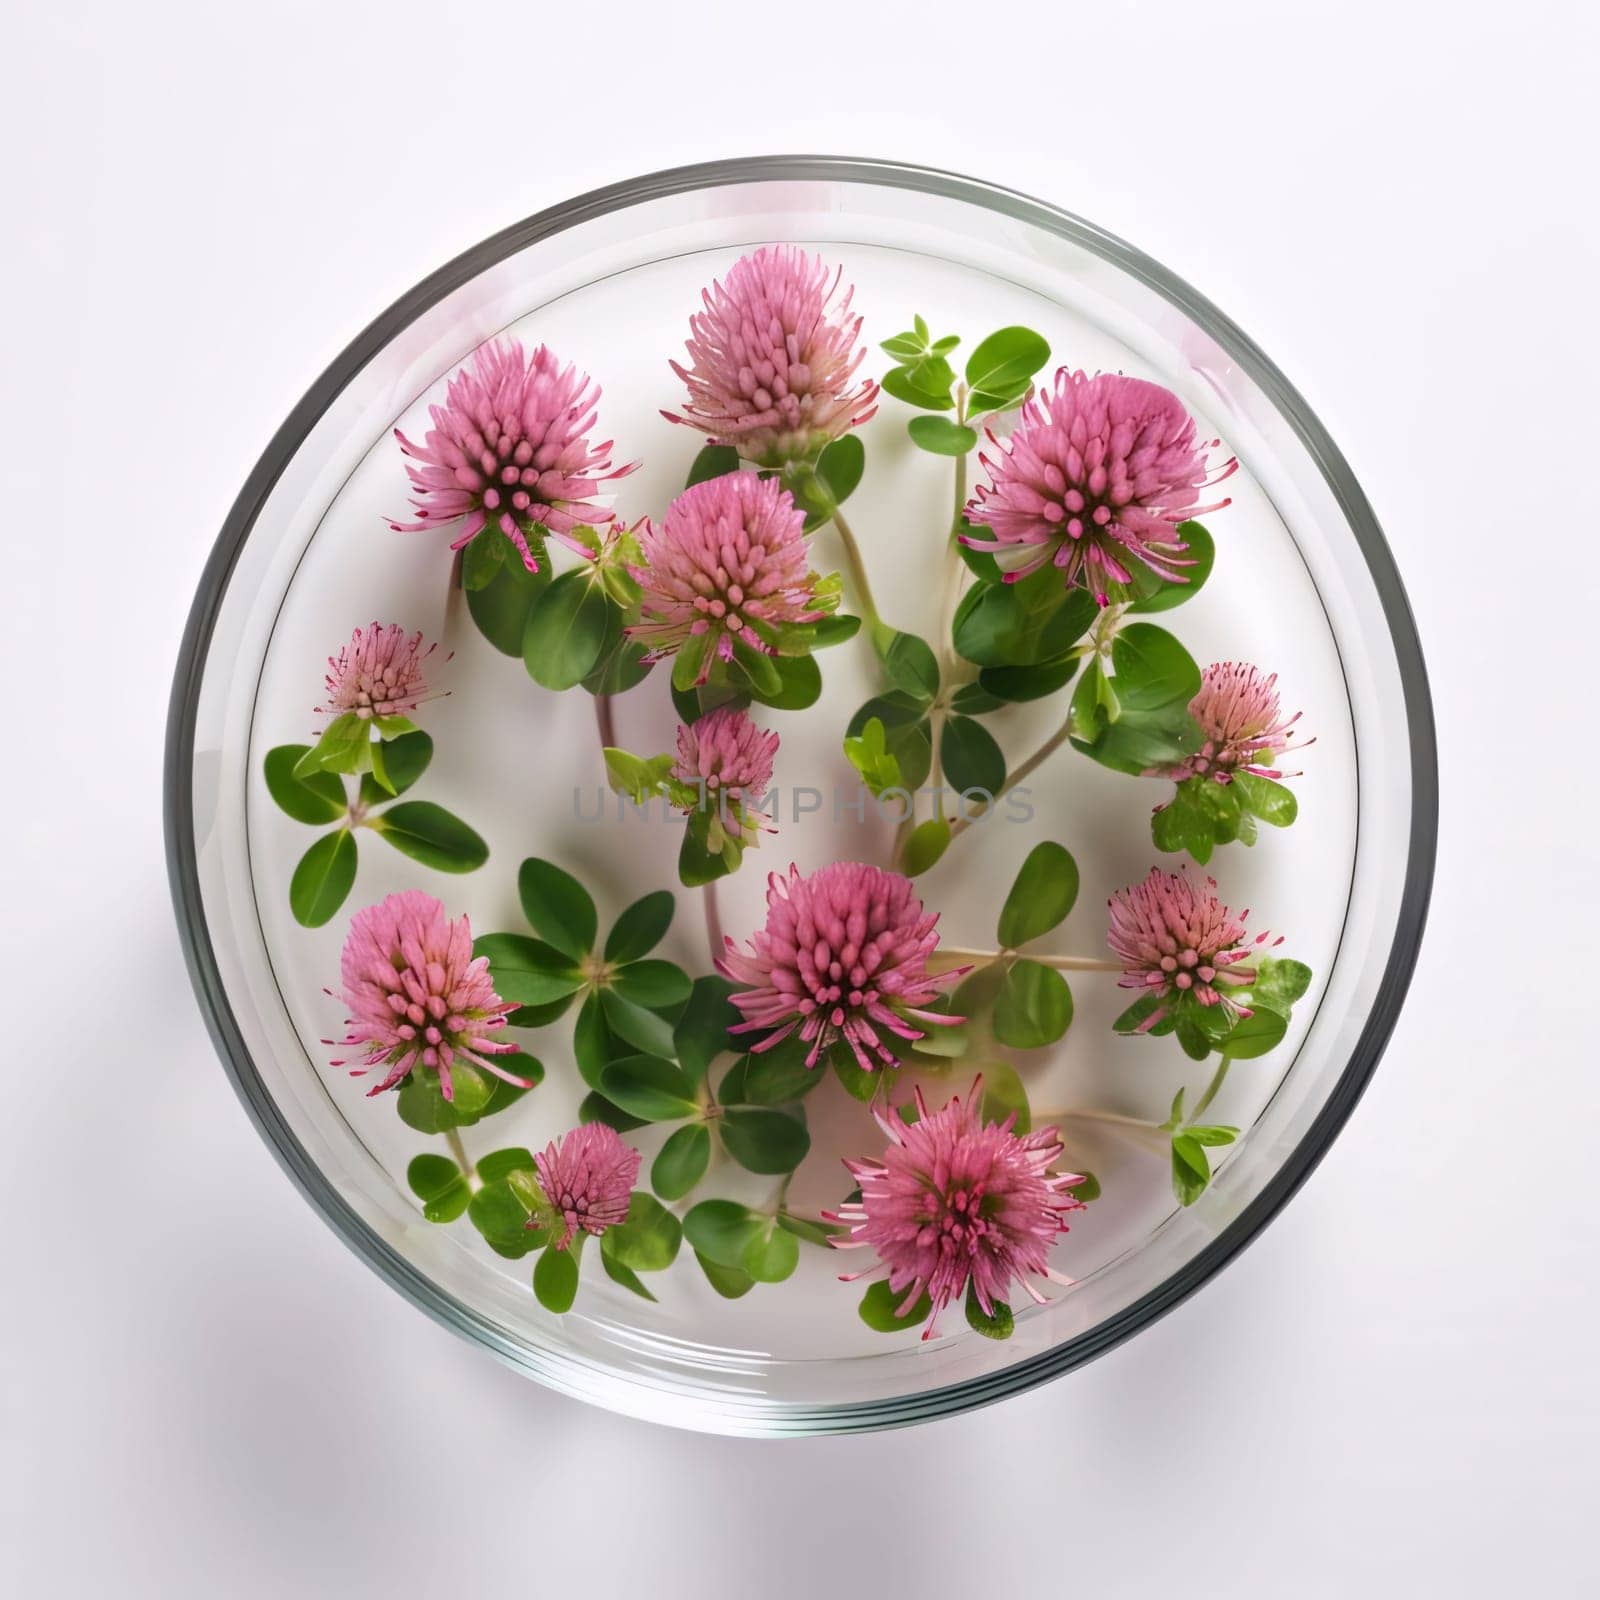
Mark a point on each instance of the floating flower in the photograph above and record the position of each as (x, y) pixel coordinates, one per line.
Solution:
(509, 449)
(726, 759)
(417, 996)
(1238, 714)
(727, 564)
(844, 954)
(956, 1202)
(378, 674)
(587, 1177)
(1097, 475)
(772, 359)
(1175, 939)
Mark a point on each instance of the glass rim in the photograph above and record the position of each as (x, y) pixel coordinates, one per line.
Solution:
(725, 1413)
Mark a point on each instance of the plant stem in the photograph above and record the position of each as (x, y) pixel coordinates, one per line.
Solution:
(1115, 1117)
(1060, 963)
(455, 597)
(605, 722)
(1013, 779)
(955, 567)
(1137, 1127)
(936, 770)
(1217, 1080)
(714, 938)
(463, 1160)
(902, 832)
(865, 604)
(1104, 631)
(949, 599)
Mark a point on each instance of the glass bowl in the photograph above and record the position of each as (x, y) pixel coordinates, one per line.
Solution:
(610, 279)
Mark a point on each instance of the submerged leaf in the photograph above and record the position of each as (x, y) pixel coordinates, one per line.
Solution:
(323, 878)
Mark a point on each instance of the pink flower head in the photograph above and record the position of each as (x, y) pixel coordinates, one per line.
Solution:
(1174, 939)
(1238, 715)
(726, 758)
(844, 953)
(587, 1177)
(957, 1202)
(378, 674)
(773, 358)
(509, 449)
(1097, 476)
(417, 996)
(729, 561)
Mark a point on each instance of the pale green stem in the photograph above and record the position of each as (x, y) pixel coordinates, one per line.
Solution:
(1104, 632)
(865, 604)
(936, 771)
(955, 567)
(455, 598)
(949, 600)
(985, 958)
(1218, 1079)
(463, 1160)
(1101, 636)
(1013, 779)
(714, 936)
(605, 722)
(1136, 1127)
(1114, 1117)
(949, 666)
(902, 832)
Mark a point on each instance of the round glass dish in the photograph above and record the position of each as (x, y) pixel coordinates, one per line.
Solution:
(611, 267)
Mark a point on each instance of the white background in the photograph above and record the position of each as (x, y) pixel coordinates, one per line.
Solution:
(203, 1392)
